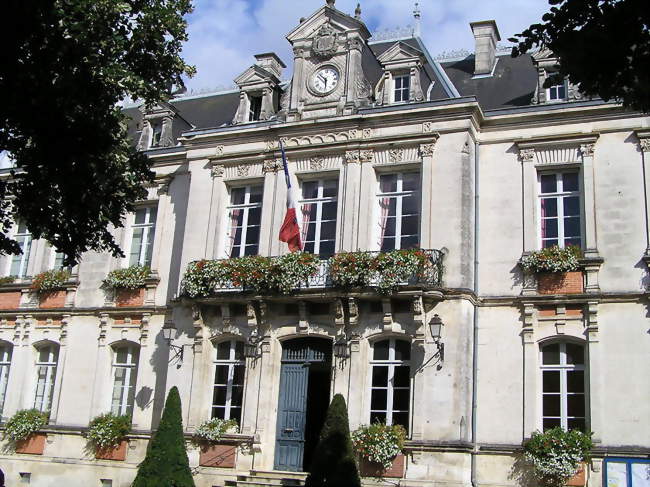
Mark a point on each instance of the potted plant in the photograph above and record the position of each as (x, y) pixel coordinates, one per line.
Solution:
(398, 266)
(557, 269)
(50, 286)
(107, 435)
(10, 298)
(351, 269)
(22, 431)
(379, 447)
(557, 456)
(207, 437)
(128, 284)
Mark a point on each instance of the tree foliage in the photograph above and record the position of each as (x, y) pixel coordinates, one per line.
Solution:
(166, 463)
(64, 67)
(602, 45)
(333, 464)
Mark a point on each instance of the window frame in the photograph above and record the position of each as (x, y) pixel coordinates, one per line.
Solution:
(126, 404)
(229, 243)
(390, 388)
(52, 366)
(563, 367)
(319, 201)
(231, 362)
(6, 356)
(148, 235)
(399, 195)
(156, 133)
(557, 99)
(24, 258)
(559, 196)
(405, 91)
(255, 102)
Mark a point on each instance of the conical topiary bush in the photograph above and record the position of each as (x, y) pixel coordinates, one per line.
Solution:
(166, 463)
(333, 464)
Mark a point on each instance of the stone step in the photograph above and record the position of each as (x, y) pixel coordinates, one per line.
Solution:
(279, 474)
(269, 479)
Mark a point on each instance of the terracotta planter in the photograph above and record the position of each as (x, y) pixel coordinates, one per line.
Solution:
(9, 299)
(129, 297)
(580, 477)
(372, 469)
(116, 453)
(222, 456)
(560, 282)
(34, 444)
(52, 299)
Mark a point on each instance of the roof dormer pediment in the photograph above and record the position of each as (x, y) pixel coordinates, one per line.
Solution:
(256, 75)
(401, 52)
(336, 19)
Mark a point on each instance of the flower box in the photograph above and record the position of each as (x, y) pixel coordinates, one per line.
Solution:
(560, 282)
(218, 455)
(52, 299)
(9, 299)
(372, 469)
(34, 444)
(116, 453)
(129, 297)
(580, 477)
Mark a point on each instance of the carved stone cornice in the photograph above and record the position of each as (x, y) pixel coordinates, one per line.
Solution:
(587, 150)
(243, 170)
(427, 149)
(645, 144)
(218, 171)
(527, 155)
(352, 157)
(271, 165)
(366, 155)
(316, 163)
(396, 154)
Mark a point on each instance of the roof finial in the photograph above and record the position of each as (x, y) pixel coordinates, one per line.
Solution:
(416, 16)
(330, 3)
(357, 12)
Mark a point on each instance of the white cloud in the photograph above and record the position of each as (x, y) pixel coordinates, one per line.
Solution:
(225, 34)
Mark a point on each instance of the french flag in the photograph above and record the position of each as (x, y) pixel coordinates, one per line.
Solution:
(289, 231)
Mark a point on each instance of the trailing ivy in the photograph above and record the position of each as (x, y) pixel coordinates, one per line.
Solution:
(51, 280)
(553, 259)
(133, 277)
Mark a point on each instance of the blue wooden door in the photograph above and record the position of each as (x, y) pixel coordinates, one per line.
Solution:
(292, 412)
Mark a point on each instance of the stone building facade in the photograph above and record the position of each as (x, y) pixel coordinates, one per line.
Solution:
(469, 159)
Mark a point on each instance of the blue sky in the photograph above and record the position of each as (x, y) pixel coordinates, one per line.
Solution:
(225, 34)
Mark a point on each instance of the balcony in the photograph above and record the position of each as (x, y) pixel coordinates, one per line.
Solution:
(377, 272)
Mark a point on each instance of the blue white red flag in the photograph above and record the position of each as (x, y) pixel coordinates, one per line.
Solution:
(289, 231)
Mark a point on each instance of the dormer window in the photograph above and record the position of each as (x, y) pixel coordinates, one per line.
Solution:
(402, 86)
(255, 108)
(156, 133)
(556, 92)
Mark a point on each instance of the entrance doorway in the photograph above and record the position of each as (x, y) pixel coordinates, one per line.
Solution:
(303, 401)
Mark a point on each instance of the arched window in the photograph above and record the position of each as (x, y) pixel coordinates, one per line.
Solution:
(125, 373)
(47, 358)
(5, 362)
(391, 382)
(228, 380)
(563, 386)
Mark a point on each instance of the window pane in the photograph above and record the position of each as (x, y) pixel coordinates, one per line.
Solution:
(387, 243)
(549, 207)
(329, 211)
(549, 228)
(330, 188)
(219, 397)
(402, 350)
(311, 232)
(402, 376)
(136, 246)
(381, 350)
(549, 423)
(572, 227)
(378, 399)
(140, 216)
(551, 404)
(551, 379)
(402, 418)
(219, 412)
(570, 181)
(571, 205)
(410, 242)
(328, 231)
(410, 225)
(238, 375)
(401, 400)
(575, 354)
(377, 417)
(252, 235)
(551, 354)
(223, 351)
(239, 350)
(250, 250)
(221, 374)
(237, 196)
(388, 183)
(411, 181)
(389, 229)
(236, 397)
(310, 189)
(379, 376)
(235, 413)
(411, 205)
(549, 243)
(326, 249)
(255, 194)
(576, 405)
(548, 183)
(576, 424)
(254, 216)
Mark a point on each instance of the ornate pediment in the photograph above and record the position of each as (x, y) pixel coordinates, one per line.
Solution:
(338, 21)
(400, 52)
(254, 75)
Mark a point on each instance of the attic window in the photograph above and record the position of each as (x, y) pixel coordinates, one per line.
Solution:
(255, 109)
(556, 92)
(402, 85)
(156, 134)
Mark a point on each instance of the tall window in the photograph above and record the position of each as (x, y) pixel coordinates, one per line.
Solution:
(245, 214)
(125, 373)
(20, 262)
(46, 361)
(560, 209)
(556, 92)
(156, 134)
(563, 386)
(228, 380)
(57, 260)
(5, 363)
(391, 382)
(319, 216)
(144, 231)
(402, 85)
(255, 109)
(399, 205)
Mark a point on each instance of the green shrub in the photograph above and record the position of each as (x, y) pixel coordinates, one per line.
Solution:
(23, 423)
(333, 461)
(51, 280)
(166, 462)
(7, 279)
(108, 430)
(553, 259)
(133, 277)
(556, 454)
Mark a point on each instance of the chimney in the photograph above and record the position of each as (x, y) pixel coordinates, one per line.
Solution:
(271, 62)
(486, 36)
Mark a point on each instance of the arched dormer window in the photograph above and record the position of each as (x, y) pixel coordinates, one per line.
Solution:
(47, 359)
(563, 385)
(125, 373)
(6, 351)
(390, 393)
(229, 371)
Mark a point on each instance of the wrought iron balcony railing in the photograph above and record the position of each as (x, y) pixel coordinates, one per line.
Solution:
(353, 270)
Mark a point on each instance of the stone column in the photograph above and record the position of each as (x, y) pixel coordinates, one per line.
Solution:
(590, 244)
(273, 202)
(530, 398)
(268, 110)
(349, 215)
(428, 184)
(644, 143)
(527, 157)
(595, 369)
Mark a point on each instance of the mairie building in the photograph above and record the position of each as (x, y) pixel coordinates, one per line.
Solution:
(471, 160)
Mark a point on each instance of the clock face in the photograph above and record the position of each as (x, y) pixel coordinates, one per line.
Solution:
(325, 80)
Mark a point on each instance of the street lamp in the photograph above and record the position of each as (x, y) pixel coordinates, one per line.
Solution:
(169, 334)
(251, 346)
(436, 325)
(341, 349)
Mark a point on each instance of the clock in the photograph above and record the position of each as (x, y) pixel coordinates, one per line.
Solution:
(325, 80)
